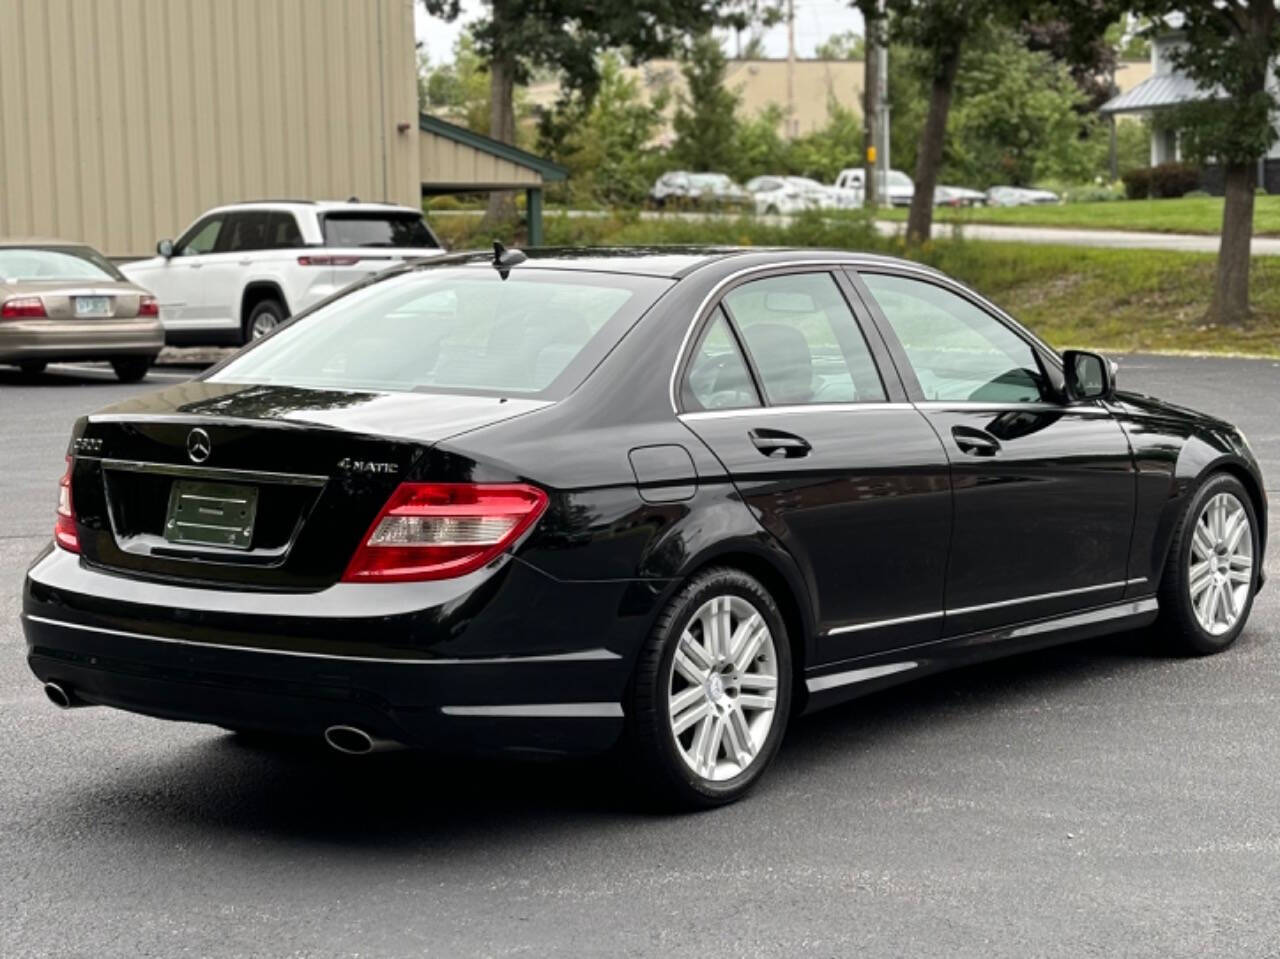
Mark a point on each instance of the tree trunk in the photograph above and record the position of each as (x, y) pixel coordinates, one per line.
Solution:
(1230, 304)
(929, 157)
(502, 126)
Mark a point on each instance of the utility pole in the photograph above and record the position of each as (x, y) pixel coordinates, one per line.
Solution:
(792, 123)
(872, 104)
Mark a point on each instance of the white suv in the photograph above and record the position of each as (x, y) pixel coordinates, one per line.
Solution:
(241, 270)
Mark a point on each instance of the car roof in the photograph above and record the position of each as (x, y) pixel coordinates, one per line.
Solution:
(673, 262)
(38, 241)
(314, 206)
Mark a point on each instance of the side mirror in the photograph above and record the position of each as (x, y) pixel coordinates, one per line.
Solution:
(1089, 376)
(165, 248)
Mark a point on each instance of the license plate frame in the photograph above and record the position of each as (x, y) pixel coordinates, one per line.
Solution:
(91, 306)
(202, 513)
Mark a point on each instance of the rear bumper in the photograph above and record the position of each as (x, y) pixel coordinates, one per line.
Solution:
(22, 340)
(173, 662)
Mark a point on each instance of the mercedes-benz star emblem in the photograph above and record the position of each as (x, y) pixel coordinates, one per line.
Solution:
(199, 446)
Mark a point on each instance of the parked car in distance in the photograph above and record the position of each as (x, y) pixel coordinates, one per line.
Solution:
(958, 196)
(707, 191)
(241, 270)
(789, 194)
(1020, 196)
(898, 186)
(663, 499)
(66, 301)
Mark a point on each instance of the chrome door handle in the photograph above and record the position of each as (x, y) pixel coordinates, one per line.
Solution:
(773, 442)
(974, 441)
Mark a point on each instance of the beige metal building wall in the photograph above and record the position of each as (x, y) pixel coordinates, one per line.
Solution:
(122, 120)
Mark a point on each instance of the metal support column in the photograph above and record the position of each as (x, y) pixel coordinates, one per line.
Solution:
(533, 214)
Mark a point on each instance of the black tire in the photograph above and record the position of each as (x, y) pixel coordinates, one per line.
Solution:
(33, 367)
(131, 369)
(265, 313)
(1178, 628)
(652, 749)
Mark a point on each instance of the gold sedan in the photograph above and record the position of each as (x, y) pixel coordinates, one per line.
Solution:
(66, 301)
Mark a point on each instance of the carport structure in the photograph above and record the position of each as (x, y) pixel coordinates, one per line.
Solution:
(453, 159)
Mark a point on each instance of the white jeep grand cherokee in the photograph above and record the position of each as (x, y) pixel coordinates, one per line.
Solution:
(241, 270)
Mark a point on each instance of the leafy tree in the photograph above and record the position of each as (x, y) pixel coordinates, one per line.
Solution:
(1228, 51)
(705, 123)
(849, 45)
(517, 36)
(758, 147)
(459, 90)
(823, 153)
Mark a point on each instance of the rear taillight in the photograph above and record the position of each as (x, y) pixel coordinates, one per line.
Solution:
(64, 527)
(147, 306)
(440, 530)
(22, 307)
(328, 260)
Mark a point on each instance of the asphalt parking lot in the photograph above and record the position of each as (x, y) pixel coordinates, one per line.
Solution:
(1099, 799)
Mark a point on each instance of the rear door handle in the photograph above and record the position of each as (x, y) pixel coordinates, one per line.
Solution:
(974, 441)
(779, 443)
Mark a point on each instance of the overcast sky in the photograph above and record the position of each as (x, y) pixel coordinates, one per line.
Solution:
(815, 21)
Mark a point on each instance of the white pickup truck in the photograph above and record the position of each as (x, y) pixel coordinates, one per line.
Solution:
(241, 270)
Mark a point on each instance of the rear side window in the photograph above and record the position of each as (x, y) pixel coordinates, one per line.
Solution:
(455, 330)
(804, 341)
(283, 232)
(377, 229)
(718, 378)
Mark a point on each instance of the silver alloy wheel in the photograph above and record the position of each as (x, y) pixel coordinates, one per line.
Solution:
(1220, 573)
(263, 324)
(723, 688)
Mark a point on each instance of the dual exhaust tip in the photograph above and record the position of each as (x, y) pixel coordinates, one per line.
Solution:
(349, 740)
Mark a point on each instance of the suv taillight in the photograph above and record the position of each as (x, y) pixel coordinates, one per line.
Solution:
(64, 527)
(441, 530)
(22, 307)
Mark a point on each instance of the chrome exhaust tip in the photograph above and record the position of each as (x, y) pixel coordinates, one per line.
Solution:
(60, 696)
(353, 741)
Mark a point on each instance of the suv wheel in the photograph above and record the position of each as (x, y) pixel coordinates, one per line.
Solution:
(263, 318)
(712, 691)
(1210, 577)
(131, 369)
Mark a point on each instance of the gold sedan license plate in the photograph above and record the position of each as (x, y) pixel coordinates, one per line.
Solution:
(211, 514)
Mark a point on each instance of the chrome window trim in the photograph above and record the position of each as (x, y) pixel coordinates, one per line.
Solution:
(858, 266)
(790, 408)
(1035, 406)
(586, 655)
(809, 266)
(213, 472)
(920, 617)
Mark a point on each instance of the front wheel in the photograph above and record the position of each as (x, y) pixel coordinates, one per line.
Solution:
(1210, 576)
(712, 691)
(131, 369)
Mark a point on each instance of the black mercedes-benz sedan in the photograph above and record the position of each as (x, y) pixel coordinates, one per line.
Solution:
(656, 499)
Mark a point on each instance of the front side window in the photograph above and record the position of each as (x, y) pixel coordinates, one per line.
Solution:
(201, 238)
(377, 229)
(957, 350)
(804, 341)
(455, 330)
(718, 378)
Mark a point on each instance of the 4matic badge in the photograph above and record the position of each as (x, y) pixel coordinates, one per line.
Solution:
(365, 466)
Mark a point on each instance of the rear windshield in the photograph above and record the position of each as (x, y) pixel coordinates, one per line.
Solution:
(54, 263)
(377, 229)
(454, 330)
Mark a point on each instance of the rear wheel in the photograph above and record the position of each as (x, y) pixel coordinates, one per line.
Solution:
(1206, 592)
(265, 316)
(131, 369)
(32, 367)
(712, 691)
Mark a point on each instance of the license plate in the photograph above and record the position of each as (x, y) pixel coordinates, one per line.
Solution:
(93, 306)
(211, 514)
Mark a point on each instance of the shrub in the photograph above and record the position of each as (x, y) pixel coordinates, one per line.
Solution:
(1137, 183)
(1174, 179)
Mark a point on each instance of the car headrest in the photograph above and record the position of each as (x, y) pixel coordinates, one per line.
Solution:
(783, 358)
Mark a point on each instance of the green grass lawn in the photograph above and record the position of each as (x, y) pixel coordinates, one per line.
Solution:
(1195, 214)
(1113, 299)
